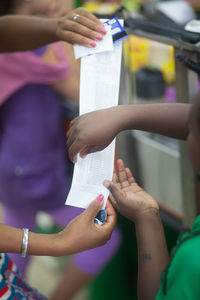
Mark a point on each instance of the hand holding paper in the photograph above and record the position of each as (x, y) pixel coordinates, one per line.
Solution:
(99, 89)
(83, 234)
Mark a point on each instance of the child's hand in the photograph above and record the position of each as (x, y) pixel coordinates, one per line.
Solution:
(82, 233)
(127, 197)
(80, 27)
(91, 132)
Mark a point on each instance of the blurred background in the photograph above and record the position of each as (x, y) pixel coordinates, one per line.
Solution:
(148, 75)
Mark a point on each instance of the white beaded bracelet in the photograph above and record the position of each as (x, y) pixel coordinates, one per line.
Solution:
(24, 242)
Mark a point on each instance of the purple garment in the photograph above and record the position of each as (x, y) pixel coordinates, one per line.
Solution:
(33, 173)
(21, 68)
(33, 150)
(33, 170)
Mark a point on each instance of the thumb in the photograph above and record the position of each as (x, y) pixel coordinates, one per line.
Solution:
(114, 189)
(94, 207)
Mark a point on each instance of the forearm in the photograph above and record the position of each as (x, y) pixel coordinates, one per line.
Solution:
(38, 244)
(165, 119)
(18, 33)
(152, 255)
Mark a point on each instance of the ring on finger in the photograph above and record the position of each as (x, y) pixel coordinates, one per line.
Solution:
(76, 17)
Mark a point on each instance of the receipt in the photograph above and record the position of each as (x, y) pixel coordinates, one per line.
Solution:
(99, 89)
(101, 46)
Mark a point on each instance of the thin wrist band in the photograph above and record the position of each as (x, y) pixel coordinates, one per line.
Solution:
(24, 242)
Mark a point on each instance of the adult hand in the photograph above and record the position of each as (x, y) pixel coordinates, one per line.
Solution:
(82, 233)
(127, 197)
(91, 132)
(84, 30)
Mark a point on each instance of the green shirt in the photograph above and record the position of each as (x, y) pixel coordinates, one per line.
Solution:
(181, 279)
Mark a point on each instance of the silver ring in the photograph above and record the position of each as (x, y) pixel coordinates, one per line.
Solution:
(75, 17)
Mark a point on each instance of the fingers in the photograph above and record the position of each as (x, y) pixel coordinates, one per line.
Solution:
(109, 209)
(71, 136)
(130, 177)
(77, 35)
(86, 150)
(84, 30)
(96, 23)
(114, 190)
(74, 142)
(91, 28)
(115, 178)
(74, 149)
(111, 216)
(94, 207)
(77, 143)
(78, 147)
(122, 175)
(73, 121)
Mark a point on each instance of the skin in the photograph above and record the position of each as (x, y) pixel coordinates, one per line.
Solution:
(23, 33)
(138, 206)
(88, 133)
(79, 235)
(141, 208)
(35, 7)
(68, 88)
(19, 33)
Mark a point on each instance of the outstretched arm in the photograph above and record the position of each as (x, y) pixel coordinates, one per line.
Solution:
(94, 131)
(134, 203)
(79, 235)
(19, 33)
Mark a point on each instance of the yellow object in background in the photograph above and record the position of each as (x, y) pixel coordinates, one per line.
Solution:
(168, 68)
(101, 7)
(91, 6)
(136, 52)
(126, 53)
(140, 52)
(162, 57)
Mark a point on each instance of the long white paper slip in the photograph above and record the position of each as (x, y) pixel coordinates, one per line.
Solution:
(101, 46)
(99, 88)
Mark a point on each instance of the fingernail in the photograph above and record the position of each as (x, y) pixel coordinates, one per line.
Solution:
(100, 198)
(99, 37)
(92, 44)
(103, 31)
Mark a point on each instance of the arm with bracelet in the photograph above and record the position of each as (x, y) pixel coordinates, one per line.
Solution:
(79, 235)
